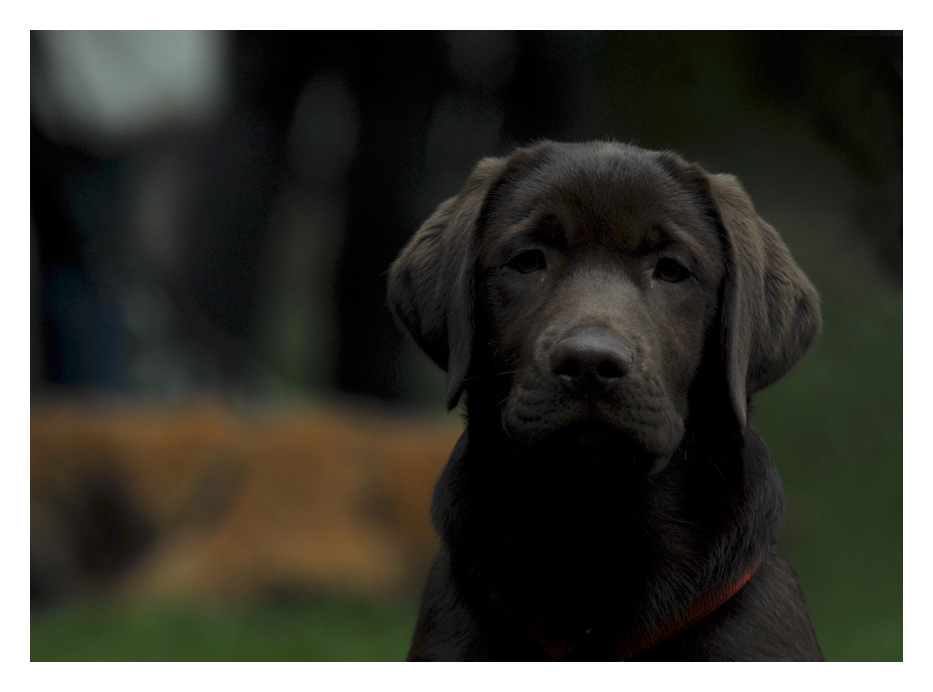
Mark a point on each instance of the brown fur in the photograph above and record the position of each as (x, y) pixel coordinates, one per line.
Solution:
(608, 311)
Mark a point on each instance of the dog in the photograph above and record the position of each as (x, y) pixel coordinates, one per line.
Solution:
(607, 312)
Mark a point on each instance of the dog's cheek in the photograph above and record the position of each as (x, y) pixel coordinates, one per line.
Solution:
(682, 341)
(507, 318)
(497, 351)
(682, 357)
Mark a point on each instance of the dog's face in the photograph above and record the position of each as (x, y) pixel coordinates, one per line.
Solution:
(584, 281)
(597, 279)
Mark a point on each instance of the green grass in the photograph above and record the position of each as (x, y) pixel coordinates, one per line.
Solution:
(834, 428)
(314, 630)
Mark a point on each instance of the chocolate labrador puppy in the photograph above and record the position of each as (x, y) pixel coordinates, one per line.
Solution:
(607, 311)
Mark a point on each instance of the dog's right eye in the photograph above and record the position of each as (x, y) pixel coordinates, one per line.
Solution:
(671, 270)
(527, 262)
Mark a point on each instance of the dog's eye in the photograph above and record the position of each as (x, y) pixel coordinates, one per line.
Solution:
(527, 262)
(670, 270)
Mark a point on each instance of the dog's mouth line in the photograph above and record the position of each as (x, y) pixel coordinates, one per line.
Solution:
(593, 426)
(589, 436)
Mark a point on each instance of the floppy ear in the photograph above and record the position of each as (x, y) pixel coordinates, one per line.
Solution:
(770, 312)
(431, 282)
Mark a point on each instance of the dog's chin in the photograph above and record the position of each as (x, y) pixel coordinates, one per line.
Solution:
(595, 445)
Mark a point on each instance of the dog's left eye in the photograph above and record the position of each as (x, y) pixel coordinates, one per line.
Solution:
(527, 262)
(670, 270)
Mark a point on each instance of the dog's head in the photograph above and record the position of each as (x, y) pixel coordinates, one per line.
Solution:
(590, 281)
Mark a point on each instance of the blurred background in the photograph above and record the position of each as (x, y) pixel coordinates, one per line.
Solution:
(233, 445)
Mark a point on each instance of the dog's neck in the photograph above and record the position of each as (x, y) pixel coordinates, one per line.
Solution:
(566, 545)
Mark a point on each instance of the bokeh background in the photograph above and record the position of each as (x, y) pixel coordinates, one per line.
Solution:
(233, 445)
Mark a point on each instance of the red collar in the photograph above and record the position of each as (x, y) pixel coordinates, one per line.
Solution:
(676, 622)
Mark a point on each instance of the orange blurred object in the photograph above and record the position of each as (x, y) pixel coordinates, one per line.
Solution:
(204, 501)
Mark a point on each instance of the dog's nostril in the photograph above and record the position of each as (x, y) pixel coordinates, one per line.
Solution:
(567, 367)
(612, 367)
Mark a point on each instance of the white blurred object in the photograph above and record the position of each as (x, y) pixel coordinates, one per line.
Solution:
(102, 87)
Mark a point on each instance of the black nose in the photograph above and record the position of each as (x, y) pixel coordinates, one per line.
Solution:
(591, 361)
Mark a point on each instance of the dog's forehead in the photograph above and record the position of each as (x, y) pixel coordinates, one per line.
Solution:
(607, 195)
